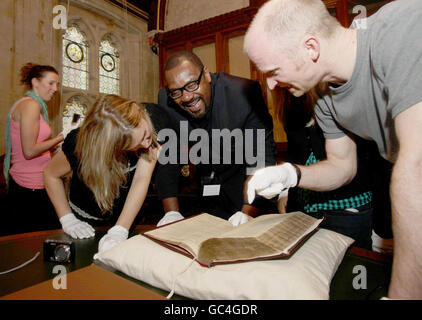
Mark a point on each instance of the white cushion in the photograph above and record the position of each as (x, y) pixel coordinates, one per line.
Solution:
(306, 275)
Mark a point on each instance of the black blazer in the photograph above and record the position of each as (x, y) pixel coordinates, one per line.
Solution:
(236, 103)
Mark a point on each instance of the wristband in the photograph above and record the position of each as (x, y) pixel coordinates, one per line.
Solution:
(298, 173)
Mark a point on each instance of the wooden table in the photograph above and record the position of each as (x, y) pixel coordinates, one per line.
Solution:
(17, 249)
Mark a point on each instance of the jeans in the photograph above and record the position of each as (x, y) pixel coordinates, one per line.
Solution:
(356, 225)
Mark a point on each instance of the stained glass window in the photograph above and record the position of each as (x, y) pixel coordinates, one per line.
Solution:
(75, 59)
(109, 68)
(75, 109)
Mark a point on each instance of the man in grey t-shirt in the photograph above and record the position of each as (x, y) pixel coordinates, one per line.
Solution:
(369, 82)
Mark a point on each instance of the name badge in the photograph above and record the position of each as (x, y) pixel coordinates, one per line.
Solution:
(211, 190)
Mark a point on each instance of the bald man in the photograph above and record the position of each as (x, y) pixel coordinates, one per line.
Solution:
(368, 83)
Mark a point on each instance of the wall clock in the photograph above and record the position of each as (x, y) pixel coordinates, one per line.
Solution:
(107, 62)
(74, 52)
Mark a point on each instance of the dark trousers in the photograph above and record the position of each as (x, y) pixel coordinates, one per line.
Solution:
(357, 226)
(214, 205)
(27, 210)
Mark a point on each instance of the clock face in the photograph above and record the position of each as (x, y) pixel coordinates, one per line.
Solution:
(107, 62)
(74, 52)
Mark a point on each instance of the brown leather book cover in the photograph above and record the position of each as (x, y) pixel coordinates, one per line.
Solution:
(89, 283)
(210, 240)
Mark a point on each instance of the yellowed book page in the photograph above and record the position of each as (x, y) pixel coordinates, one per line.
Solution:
(260, 225)
(283, 236)
(233, 249)
(263, 237)
(255, 227)
(240, 243)
(191, 232)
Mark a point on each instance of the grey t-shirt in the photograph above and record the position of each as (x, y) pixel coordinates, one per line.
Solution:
(386, 80)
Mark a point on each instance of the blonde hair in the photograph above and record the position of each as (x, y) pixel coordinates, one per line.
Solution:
(285, 22)
(103, 145)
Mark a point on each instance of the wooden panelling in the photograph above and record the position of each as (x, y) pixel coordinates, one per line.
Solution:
(221, 28)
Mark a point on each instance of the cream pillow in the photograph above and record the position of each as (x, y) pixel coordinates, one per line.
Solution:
(306, 275)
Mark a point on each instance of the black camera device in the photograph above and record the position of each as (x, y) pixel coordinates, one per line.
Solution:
(59, 251)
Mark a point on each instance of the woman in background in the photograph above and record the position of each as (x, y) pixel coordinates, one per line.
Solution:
(112, 157)
(28, 145)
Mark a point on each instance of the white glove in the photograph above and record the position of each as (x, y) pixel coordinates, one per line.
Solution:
(271, 181)
(76, 228)
(239, 218)
(170, 216)
(114, 236)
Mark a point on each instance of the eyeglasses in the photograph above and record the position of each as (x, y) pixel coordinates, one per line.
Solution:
(189, 87)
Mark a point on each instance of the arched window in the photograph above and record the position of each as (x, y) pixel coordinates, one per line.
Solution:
(109, 67)
(75, 59)
(74, 110)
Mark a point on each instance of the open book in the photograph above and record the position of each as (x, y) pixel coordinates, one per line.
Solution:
(212, 240)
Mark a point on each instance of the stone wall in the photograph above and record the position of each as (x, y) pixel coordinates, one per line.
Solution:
(182, 13)
(27, 33)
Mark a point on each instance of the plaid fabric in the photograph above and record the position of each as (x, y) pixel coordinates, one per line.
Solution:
(315, 201)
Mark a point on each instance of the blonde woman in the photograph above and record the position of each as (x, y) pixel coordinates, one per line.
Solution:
(112, 156)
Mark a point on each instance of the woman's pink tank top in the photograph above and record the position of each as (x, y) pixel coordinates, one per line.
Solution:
(28, 173)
